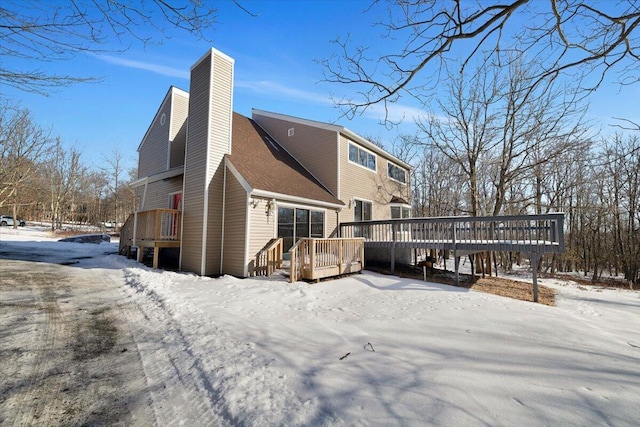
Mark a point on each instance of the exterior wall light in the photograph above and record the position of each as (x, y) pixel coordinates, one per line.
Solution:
(270, 207)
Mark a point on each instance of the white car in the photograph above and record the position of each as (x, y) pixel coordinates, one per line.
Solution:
(8, 220)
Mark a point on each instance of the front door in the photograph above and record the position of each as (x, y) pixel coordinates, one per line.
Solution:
(175, 202)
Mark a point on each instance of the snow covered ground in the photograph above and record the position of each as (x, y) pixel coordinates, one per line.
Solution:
(374, 350)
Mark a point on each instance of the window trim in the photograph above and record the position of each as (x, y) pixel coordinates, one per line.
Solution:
(359, 147)
(357, 199)
(401, 206)
(389, 166)
(305, 207)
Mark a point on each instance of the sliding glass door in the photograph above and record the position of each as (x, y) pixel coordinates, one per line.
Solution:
(296, 223)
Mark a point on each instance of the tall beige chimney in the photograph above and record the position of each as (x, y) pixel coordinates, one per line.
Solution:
(208, 140)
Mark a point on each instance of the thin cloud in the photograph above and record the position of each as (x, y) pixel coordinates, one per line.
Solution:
(395, 112)
(147, 66)
(276, 89)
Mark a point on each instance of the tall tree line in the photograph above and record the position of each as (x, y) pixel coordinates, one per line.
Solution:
(508, 135)
(41, 180)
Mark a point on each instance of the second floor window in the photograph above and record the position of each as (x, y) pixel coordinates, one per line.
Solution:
(362, 157)
(397, 173)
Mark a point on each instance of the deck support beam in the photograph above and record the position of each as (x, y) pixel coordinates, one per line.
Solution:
(393, 258)
(394, 231)
(456, 262)
(535, 258)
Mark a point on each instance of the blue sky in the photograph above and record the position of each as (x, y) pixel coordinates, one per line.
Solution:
(275, 70)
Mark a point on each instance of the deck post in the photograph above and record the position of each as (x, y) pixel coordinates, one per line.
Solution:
(456, 263)
(135, 228)
(156, 254)
(393, 248)
(534, 267)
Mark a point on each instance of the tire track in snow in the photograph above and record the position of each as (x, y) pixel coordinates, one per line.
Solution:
(181, 390)
(42, 370)
(243, 386)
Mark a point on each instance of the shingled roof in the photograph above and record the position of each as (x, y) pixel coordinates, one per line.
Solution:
(266, 166)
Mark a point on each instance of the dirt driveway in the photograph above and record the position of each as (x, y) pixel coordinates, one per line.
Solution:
(68, 354)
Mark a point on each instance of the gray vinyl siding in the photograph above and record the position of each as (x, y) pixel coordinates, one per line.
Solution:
(195, 175)
(219, 145)
(152, 156)
(362, 183)
(158, 193)
(314, 148)
(234, 227)
(178, 135)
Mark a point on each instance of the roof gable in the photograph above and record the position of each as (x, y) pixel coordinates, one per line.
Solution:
(167, 99)
(336, 128)
(267, 166)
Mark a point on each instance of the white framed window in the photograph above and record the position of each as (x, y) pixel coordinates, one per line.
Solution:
(362, 157)
(362, 210)
(396, 173)
(400, 211)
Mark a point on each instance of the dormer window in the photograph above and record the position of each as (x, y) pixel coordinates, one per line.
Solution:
(362, 157)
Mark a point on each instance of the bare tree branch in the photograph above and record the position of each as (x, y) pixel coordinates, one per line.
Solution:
(561, 36)
(34, 32)
(630, 125)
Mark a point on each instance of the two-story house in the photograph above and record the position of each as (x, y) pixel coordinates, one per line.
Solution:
(240, 182)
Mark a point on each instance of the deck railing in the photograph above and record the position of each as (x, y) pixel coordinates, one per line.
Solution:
(148, 227)
(269, 258)
(314, 259)
(517, 233)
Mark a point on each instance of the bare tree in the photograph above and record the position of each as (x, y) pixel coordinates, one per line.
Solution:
(22, 145)
(537, 125)
(93, 189)
(562, 36)
(63, 172)
(114, 172)
(622, 167)
(34, 33)
(466, 130)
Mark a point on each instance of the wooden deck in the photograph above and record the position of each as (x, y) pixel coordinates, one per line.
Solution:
(532, 235)
(269, 259)
(315, 259)
(526, 233)
(157, 228)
